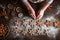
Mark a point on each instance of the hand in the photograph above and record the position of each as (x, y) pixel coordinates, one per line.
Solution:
(30, 9)
(33, 15)
(40, 14)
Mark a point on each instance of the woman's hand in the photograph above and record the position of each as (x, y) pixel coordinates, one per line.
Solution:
(30, 9)
(40, 14)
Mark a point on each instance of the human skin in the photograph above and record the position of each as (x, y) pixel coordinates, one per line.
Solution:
(30, 9)
(40, 13)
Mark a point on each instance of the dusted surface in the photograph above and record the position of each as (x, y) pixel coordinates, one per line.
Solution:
(12, 16)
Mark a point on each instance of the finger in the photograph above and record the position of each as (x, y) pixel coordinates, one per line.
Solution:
(33, 16)
(39, 17)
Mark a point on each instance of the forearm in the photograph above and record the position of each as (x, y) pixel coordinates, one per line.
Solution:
(49, 2)
(43, 9)
(30, 9)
